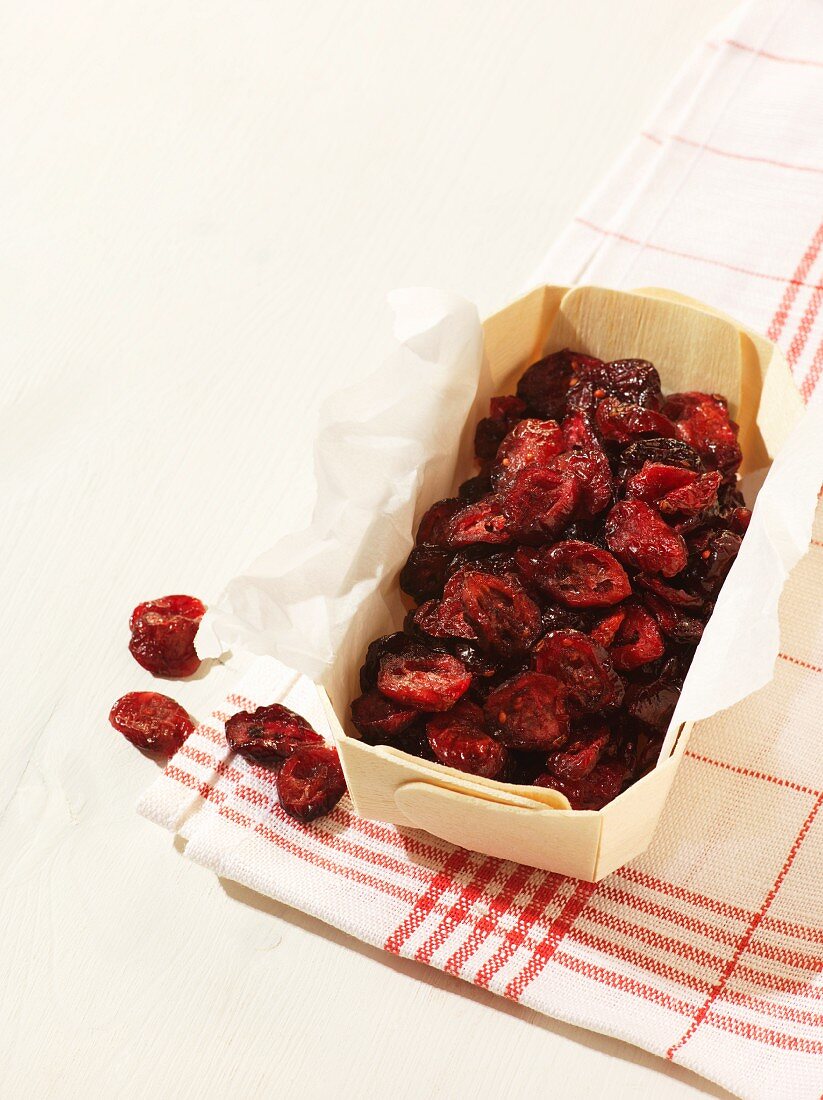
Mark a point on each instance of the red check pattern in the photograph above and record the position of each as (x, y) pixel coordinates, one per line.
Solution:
(708, 949)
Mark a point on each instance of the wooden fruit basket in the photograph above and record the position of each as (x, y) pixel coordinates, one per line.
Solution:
(694, 348)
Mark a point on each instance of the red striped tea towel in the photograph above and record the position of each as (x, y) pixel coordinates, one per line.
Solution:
(708, 949)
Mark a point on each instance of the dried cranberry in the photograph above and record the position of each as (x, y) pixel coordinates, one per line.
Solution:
(434, 525)
(635, 381)
(269, 734)
(152, 722)
(377, 718)
(677, 597)
(529, 443)
(583, 666)
(504, 412)
(622, 423)
(482, 521)
(388, 643)
(545, 385)
(699, 498)
(640, 538)
(716, 556)
(162, 635)
(669, 452)
(459, 739)
(443, 618)
(653, 703)
(579, 758)
(590, 468)
(576, 573)
(503, 617)
(673, 621)
(604, 630)
(592, 792)
(474, 489)
(529, 711)
(655, 479)
(422, 679)
(638, 641)
(425, 571)
(738, 520)
(539, 503)
(311, 783)
(702, 421)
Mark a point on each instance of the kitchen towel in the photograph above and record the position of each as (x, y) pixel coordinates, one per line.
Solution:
(708, 949)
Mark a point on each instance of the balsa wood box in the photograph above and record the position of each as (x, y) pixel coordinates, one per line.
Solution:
(694, 348)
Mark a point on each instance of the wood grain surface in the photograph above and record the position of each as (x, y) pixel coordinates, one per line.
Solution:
(204, 206)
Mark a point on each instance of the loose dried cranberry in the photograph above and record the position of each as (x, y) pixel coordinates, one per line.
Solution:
(583, 666)
(738, 520)
(576, 573)
(673, 621)
(529, 443)
(539, 503)
(442, 618)
(425, 571)
(655, 480)
(653, 704)
(635, 381)
(592, 792)
(474, 489)
(377, 718)
(311, 783)
(152, 722)
(715, 555)
(479, 664)
(459, 740)
(623, 423)
(591, 470)
(504, 412)
(604, 630)
(269, 734)
(545, 385)
(434, 525)
(414, 740)
(529, 711)
(699, 498)
(503, 617)
(669, 452)
(398, 642)
(677, 597)
(482, 521)
(162, 635)
(422, 679)
(579, 758)
(640, 538)
(702, 421)
(638, 640)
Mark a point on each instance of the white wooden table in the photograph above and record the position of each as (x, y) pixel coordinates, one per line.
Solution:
(204, 205)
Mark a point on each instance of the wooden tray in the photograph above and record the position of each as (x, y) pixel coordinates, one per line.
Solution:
(694, 348)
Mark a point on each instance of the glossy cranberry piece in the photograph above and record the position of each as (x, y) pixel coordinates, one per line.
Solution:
(379, 719)
(697, 498)
(594, 791)
(311, 783)
(505, 620)
(578, 574)
(638, 536)
(529, 711)
(545, 385)
(638, 641)
(591, 469)
(580, 757)
(673, 621)
(605, 629)
(655, 479)
(269, 734)
(583, 666)
(481, 521)
(459, 740)
(424, 574)
(398, 642)
(669, 452)
(152, 722)
(539, 503)
(623, 423)
(504, 412)
(422, 679)
(434, 524)
(162, 635)
(635, 381)
(530, 443)
(702, 421)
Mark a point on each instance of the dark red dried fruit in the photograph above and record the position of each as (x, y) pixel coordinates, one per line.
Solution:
(638, 641)
(576, 573)
(482, 521)
(398, 642)
(674, 622)
(378, 719)
(715, 554)
(592, 792)
(655, 479)
(605, 629)
(590, 468)
(677, 597)
(653, 703)
(580, 757)
(434, 525)
(738, 520)
(152, 722)
(422, 679)
(698, 498)
(503, 617)
(424, 573)
(702, 421)
(529, 711)
(669, 452)
(162, 635)
(635, 381)
(641, 539)
(311, 783)
(269, 734)
(474, 489)
(529, 443)
(504, 412)
(583, 666)
(622, 422)
(539, 503)
(459, 740)
(545, 385)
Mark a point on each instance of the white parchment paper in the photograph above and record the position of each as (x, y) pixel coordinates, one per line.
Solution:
(389, 446)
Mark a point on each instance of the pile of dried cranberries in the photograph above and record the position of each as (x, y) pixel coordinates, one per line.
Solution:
(561, 594)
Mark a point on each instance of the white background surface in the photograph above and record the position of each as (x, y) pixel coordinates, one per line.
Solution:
(204, 206)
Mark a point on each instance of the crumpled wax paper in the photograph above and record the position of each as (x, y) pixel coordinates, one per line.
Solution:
(391, 445)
